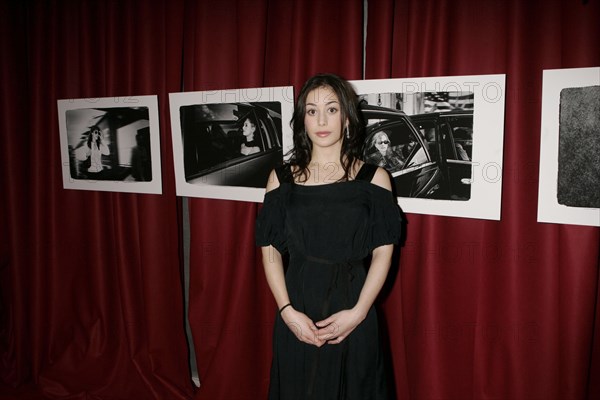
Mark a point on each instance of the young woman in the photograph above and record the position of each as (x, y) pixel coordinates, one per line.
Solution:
(385, 155)
(330, 212)
(92, 152)
(249, 145)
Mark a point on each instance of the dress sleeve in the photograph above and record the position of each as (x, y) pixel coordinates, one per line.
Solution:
(386, 220)
(270, 223)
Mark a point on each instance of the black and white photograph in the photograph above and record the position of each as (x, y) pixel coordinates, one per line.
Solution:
(440, 139)
(569, 183)
(424, 140)
(226, 143)
(579, 147)
(110, 144)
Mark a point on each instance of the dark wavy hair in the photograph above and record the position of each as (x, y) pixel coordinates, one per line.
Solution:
(99, 140)
(300, 155)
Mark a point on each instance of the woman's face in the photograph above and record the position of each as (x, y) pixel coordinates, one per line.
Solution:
(248, 128)
(382, 143)
(95, 134)
(323, 117)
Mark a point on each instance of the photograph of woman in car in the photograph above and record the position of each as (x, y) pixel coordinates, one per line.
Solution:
(231, 144)
(381, 153)
(423, 140)
(249, 143)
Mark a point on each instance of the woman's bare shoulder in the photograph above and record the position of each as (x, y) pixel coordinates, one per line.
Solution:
(272, 182)
(382, 179)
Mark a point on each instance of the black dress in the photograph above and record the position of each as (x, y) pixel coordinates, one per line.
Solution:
(328, 230)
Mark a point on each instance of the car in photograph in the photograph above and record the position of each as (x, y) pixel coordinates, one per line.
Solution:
(449, 136)
(420, 151)
(214, 147)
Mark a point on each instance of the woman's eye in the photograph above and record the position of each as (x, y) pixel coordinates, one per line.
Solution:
(332, 110)
(311, 112)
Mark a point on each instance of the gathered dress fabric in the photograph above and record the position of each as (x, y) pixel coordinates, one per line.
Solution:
(329, 232)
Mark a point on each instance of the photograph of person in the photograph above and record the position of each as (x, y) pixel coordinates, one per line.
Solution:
(329, 212)
(249, 145)
(226, 142)
(110, 144)
(231, 144)
(381, 153)
(412, 135)
(91, 152)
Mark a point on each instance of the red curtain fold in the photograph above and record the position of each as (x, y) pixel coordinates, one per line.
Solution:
(92, 297)
(484, 309)
(14, 356)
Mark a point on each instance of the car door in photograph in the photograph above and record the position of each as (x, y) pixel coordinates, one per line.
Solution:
(449, 137)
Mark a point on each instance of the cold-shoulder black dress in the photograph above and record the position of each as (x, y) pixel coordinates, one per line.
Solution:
(328, 230)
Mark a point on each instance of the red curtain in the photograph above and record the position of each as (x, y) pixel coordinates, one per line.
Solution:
(90, 291)
(14, 360)
(484, 309)
(92, 305)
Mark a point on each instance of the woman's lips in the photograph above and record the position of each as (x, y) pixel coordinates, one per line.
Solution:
(322, 133)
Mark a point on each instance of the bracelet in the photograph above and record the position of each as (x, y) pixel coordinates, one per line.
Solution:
(284, 307)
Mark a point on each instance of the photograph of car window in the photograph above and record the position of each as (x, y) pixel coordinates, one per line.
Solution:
(423, 139)
(427, 130)
(462, 136)
(231, 144)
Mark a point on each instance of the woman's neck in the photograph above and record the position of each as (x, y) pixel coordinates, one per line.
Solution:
(325, 156)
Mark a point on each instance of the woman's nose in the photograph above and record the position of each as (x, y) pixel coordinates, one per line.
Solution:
(322, 119)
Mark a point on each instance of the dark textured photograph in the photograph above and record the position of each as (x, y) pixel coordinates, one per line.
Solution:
(579, 147)
(424, 140)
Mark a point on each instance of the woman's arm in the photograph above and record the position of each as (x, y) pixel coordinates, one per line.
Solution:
(104, 149)
(380, 265)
